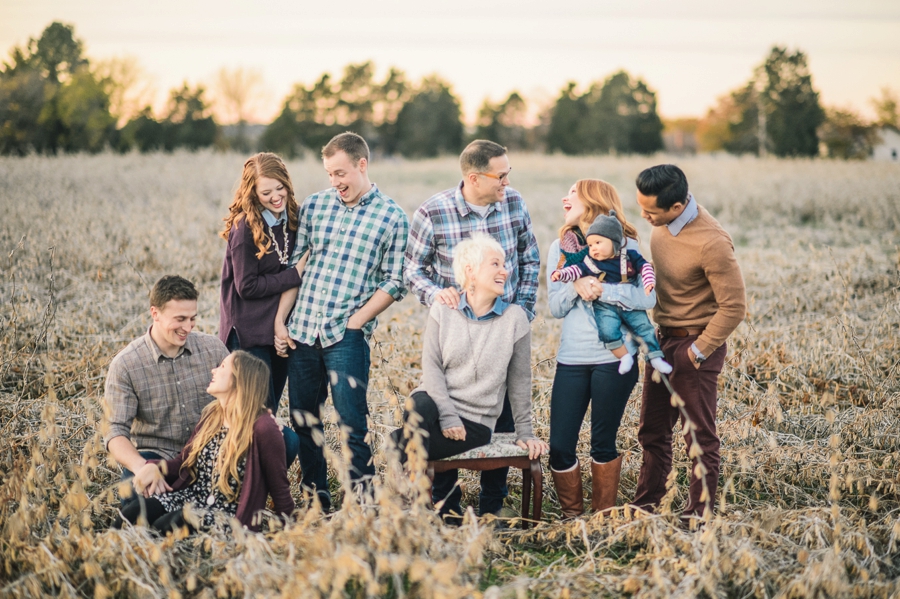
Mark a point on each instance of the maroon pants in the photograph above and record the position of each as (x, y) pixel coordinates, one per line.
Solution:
(697, 387)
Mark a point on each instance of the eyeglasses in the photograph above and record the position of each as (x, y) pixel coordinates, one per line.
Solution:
(501, 177)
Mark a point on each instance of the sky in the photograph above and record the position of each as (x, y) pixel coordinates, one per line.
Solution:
(690, 51)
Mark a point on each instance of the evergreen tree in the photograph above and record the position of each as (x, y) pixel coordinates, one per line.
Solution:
(566, 120)
(50, 100)
(792, 103)
(618, 116)
(188, 124)
(505, 123)
(778, 109)
(429, 123)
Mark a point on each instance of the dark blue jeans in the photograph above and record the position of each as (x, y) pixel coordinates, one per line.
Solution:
(609, 324)
(279, 369)
(493, 482)
(344, 367)
(574, 388)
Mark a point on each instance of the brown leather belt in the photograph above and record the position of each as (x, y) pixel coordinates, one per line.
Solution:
(679, 331)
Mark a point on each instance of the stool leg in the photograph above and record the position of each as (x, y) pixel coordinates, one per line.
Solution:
(526, 497)
(538, 476)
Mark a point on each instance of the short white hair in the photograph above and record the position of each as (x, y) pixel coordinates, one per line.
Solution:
(472, 252)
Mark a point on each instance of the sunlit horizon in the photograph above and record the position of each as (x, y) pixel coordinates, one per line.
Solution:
(690, 54)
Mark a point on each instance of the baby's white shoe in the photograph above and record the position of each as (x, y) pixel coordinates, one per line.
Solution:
(625, 364)
(661, 365)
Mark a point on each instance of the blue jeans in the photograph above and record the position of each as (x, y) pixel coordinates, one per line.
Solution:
(345, 367)
(574, 388)
(279, 370)
(610, 319)
(493, 482)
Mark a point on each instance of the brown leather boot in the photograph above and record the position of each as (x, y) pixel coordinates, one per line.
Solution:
(605, 484)
(569, 490)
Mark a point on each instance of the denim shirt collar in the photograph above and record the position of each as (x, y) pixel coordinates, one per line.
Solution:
(687, 215)
(497, 309)
(270, 218)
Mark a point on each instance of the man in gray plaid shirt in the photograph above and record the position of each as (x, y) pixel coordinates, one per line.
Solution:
(156, 386)
(355, 236)
(483, 201)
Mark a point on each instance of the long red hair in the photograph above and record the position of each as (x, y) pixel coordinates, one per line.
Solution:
(599, 197)
(246, 203)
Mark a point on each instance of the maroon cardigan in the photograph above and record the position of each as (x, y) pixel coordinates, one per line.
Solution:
(265, 473)
(251, 286)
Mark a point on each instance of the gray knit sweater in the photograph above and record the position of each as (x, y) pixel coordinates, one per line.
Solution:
(468, 366)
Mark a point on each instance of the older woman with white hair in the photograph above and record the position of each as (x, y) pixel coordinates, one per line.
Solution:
(472, 356)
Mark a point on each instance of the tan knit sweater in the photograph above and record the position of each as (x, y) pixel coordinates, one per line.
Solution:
(698, 280)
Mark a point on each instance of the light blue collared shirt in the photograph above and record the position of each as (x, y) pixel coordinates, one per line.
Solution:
(496, 310)
(688, 214)
(270, 218)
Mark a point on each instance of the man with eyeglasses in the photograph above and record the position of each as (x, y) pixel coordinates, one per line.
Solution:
(482, 201)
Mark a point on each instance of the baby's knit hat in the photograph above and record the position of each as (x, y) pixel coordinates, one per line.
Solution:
(609, 227)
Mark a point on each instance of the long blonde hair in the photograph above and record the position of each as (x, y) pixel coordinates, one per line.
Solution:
(246, 203)
(599, 197)
(247, 402)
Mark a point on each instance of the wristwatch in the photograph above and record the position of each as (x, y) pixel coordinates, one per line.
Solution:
(698, 357)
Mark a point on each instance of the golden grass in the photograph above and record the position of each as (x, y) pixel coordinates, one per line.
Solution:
(808, 501)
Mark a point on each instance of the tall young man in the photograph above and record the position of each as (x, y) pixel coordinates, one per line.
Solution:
(356, 237)
(700, 301)
(482, 201)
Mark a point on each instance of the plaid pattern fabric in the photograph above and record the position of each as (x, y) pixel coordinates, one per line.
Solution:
(156, 401)
(353, 252)
(445, 219)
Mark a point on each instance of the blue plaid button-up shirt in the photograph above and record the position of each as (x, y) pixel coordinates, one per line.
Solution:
(353, 252)
(445, 219)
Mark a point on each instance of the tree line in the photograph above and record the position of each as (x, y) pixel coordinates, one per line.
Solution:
(54, 99)
(777, 111)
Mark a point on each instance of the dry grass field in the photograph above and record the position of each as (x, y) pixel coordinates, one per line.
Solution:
(809, 498)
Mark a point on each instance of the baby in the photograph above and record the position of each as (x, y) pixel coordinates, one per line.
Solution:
(609, 264)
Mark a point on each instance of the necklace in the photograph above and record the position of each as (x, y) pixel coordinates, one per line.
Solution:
(282, 256)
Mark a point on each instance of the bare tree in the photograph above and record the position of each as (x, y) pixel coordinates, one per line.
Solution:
(237, 92)
(129, 87)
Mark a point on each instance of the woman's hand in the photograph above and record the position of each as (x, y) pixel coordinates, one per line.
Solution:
(589, 288)
(148, 480)
(455, 433)
(282, 339)
(536, 448)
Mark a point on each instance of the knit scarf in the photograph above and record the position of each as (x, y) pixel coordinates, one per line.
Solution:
(572, 248)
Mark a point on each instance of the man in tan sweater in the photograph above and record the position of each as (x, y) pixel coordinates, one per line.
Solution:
(700, 301)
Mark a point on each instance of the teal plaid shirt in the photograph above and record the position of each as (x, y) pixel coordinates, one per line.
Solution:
(353, 252)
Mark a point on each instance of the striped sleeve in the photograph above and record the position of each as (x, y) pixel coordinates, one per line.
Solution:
(648, 276)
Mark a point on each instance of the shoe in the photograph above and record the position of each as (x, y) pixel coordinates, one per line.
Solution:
(569, 490)
(324, 498)
(605, 484)
(503, 516)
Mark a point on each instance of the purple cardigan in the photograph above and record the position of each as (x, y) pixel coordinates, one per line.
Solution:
(251, 287)
(265, 473)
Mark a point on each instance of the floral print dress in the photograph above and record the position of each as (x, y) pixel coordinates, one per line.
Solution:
(201, 494)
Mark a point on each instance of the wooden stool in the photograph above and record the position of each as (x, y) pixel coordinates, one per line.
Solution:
(501, 451)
